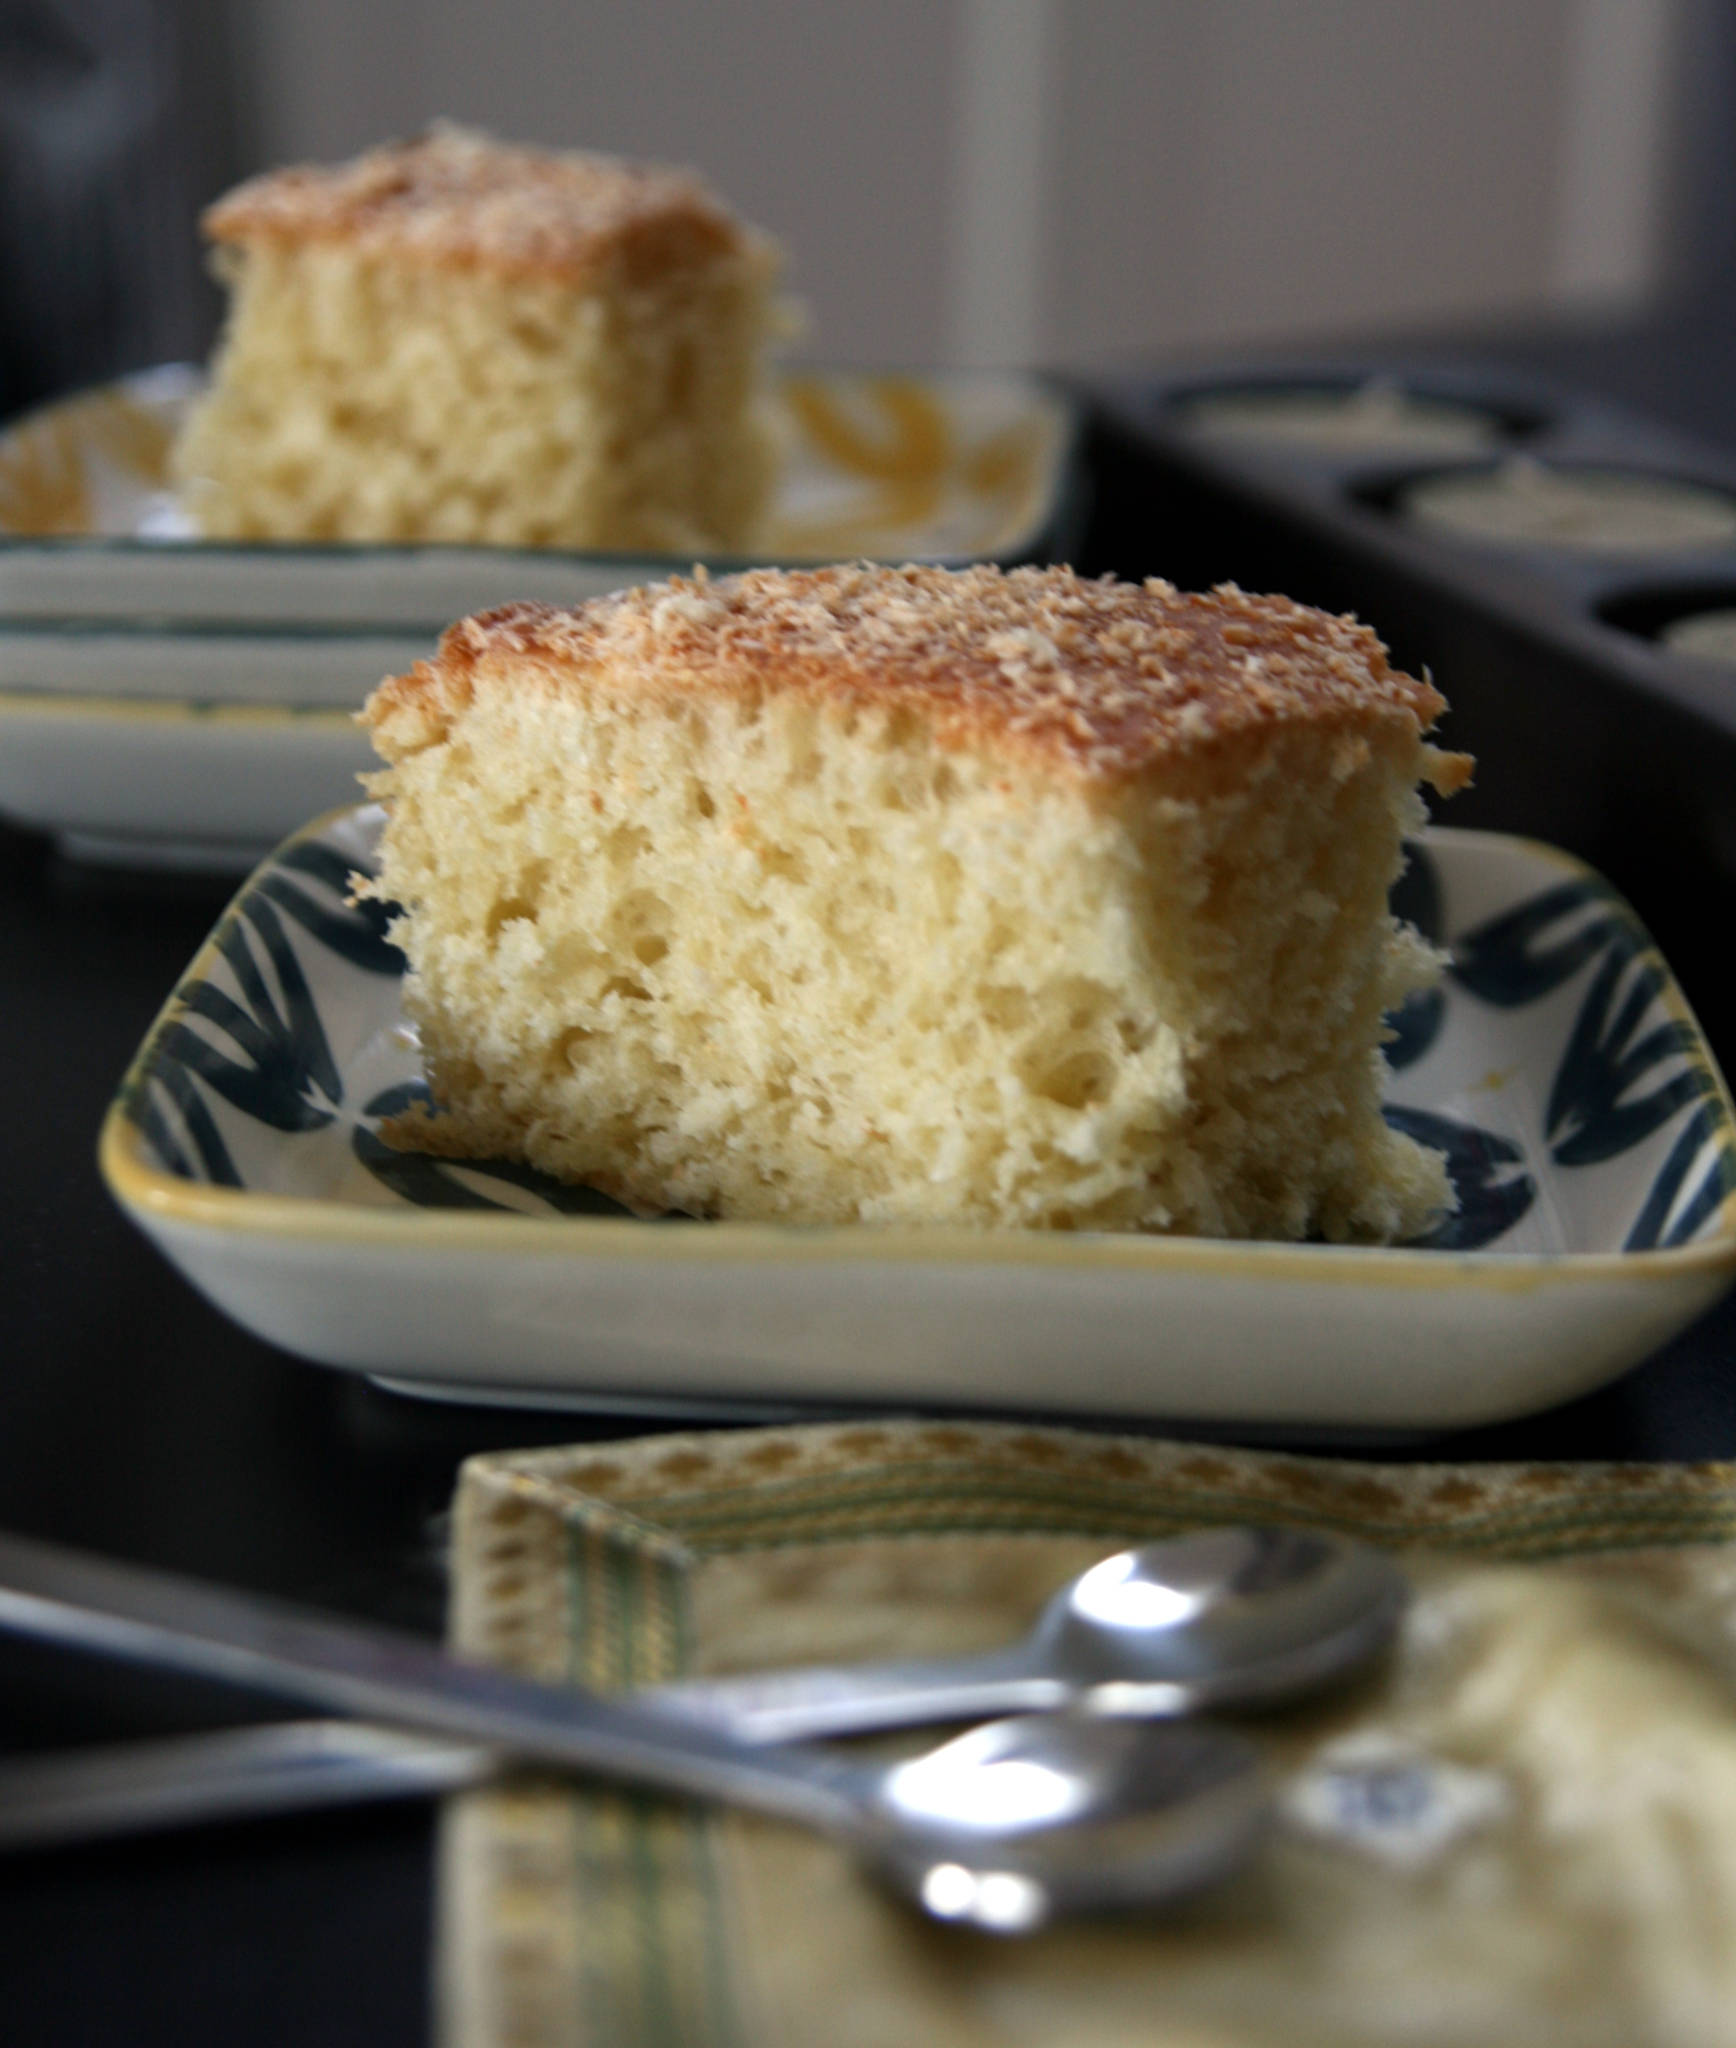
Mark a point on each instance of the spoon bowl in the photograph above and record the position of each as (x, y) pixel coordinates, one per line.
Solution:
(1229, 1616)
(1019, 1821)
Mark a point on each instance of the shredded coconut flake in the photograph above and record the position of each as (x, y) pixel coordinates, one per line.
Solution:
(454, 196)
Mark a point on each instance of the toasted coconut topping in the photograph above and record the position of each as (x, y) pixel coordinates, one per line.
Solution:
(1105, 677)
(457, 198)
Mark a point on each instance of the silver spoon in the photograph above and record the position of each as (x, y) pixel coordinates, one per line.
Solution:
(1217, 1618)
(1002, 1828)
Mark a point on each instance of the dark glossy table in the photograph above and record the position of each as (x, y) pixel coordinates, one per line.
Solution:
(134, 1420)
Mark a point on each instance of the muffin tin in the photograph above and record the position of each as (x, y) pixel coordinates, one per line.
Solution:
(1562, 655)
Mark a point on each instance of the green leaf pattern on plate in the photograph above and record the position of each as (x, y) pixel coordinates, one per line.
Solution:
(1622, 1074)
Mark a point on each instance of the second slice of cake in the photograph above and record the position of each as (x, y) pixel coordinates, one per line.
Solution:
(1000, 899)
(453, 339)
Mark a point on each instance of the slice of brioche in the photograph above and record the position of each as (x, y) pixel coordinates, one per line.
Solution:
(453, 340)
(872, 894)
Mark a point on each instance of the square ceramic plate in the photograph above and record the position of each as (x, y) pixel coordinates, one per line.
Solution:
(942, 466)
(1588, 1130)
(172, 702)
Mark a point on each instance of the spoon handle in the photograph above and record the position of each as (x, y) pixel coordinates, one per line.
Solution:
(90, 1794)
(169, 1623)
(819, 1700)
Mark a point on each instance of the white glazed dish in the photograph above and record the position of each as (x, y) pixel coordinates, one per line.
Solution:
(187, 787)
(129, 649)
(919, 465)
(1591, 1130)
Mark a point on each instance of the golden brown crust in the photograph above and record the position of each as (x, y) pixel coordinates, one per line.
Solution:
(457, 199)
(1106, 679)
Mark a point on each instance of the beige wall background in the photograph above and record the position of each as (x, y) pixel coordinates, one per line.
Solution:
(1076, 182)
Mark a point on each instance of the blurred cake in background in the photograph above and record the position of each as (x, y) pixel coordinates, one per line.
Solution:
(452, 339)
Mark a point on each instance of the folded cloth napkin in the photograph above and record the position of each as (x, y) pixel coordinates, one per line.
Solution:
(1520, 1828)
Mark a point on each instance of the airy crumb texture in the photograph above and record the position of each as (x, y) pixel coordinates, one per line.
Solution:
(454, 340)
(913, 894)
